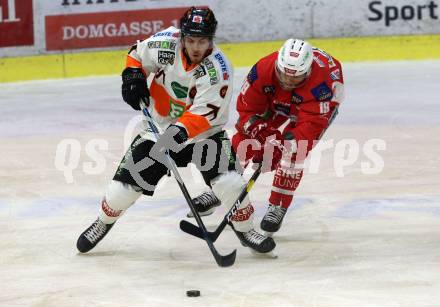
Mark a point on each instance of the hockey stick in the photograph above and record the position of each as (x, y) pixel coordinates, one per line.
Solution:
(223, 261)
(199, 232)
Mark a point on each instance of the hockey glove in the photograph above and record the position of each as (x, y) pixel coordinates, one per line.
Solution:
(270, 153)
(134, 87)
(270, 140)
(260, 130)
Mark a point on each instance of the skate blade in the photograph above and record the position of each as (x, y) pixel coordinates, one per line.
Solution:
(269, 255)
(206, 213)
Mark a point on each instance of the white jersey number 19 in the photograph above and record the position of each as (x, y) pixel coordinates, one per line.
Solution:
(324, 107)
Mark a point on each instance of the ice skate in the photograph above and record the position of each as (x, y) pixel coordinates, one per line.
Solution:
(205, 204)
(256, 241)
(273, 219)
(92, 235)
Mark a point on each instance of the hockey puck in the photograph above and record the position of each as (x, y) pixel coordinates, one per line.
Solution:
(193, 293)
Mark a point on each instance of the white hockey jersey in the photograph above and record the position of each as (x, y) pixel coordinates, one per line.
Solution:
(196, 97)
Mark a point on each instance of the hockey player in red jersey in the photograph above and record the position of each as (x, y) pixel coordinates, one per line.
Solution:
(299, 84)
(287, 101)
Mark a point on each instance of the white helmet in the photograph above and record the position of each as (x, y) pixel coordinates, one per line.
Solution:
(295, 58)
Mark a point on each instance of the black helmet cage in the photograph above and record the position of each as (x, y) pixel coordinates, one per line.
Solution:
(198, 22)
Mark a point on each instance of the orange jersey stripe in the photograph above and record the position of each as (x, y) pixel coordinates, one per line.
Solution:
(194, 124)
(132, 62)
(163, 101)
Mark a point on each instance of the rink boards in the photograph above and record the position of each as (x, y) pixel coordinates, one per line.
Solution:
(65, 65)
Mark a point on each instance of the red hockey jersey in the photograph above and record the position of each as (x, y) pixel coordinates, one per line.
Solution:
(310, 107)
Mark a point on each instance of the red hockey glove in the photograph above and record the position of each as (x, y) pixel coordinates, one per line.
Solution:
(271, 150)
(260, 130)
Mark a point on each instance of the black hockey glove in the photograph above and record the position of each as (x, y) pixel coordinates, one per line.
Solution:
(134, 87)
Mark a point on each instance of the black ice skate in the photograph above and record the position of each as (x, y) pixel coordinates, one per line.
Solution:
(256, 241)
(205, 204)
(271, 222)
(92, 235)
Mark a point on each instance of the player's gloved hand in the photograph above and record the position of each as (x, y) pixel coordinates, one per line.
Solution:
(271, 142)
(255, 128)
(271, 151)
(172, 139)
(260, 130)
(134, 87)
(263, 136)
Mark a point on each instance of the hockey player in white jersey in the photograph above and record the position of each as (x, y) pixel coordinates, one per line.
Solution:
(188, 98)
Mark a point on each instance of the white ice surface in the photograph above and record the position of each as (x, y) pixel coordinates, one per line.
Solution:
(357, 240)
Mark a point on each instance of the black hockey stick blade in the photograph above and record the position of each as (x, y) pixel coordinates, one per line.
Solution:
(192, 229)
(227, 260)
(222, 260)
(195, 231)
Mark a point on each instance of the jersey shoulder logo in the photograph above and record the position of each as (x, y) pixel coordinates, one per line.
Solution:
(252, 75)
(322, 92)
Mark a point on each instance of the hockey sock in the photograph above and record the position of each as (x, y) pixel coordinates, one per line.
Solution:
(118, 198)
(227, 187)
(283, 187)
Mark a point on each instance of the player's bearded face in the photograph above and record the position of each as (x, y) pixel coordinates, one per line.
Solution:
(196, 47)
(289, 82)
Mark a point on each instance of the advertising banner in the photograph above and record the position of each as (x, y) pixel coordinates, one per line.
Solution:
(70, 25)
(376, 18)
(109, 29)
(16, 23)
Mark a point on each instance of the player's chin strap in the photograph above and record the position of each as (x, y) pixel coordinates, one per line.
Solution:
(198, 231)
(223, 261)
